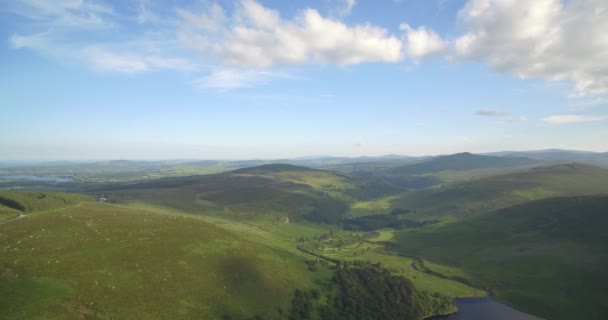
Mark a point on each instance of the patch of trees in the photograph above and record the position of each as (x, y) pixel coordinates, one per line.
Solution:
(399, 211)
(372, 189)
(382, 221)
(327, 210)
(365, 291)
(412, 182)
(303, 304)
(38, 201)
(12, 204)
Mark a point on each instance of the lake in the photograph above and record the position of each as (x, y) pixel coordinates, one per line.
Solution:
(484, 309)
(37, 178)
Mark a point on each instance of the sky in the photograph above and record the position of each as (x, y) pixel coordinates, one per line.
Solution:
(143, 79)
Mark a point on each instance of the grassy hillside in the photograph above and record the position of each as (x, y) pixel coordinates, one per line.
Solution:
(486, 194)
(100, 261)
(546, 257)
(268, 191)
(40, 201)
(460, 161)
(111, 261)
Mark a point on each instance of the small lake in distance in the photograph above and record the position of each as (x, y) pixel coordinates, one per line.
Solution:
(484, 309)
(37, 178)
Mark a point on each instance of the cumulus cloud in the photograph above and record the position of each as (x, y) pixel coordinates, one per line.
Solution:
(256, 36)
(547, 39)
(421, 42)
(572, 118)
(555, 40)
(492, 113)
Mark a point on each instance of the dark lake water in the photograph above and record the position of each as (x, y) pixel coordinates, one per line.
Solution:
(38, 178)
(484, 309)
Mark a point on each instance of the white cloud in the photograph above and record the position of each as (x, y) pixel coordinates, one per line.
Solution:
(590, 103)
(69, 29)
(233, 78)
(556, 40)
(123, 58)
(256, 36)
(108, 60)
(492, 113)
(347, 7)
(421, 42)
(82, 14)
(37, 41)
(547, 39)
(572, 118)
(144, 13)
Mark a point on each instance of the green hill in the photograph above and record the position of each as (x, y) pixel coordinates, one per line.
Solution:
(546, 257)
(101, 261)
(40, 201)
(460, 161)
(108, 261)
(268, 191)
(486, 194)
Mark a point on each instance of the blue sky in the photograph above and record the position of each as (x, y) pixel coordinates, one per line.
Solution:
(142, 79)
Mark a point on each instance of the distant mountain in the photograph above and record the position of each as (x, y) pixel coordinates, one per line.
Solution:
(486, 194)
(461, 161)
(547, 257)
(273, 168)
(552, 154)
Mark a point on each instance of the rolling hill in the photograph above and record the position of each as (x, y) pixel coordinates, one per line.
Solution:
(13, 204)
(101, 261)
(486, 194)
(546, 257)
(460, 161)
(551, 154)
(267, 191)
(110, 261)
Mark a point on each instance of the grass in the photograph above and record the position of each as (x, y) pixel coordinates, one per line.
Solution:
(288, 236)
(268, 191)
(545, 257)
(102, 260)
(143, 259)
(484, 195)
(372, 207)
(461, 161)
(40, 201)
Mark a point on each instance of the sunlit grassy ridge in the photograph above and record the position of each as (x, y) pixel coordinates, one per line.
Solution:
(547, 257)
(461, 161)
(487, 194)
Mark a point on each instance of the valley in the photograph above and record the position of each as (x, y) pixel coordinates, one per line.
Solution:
(276, 241)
